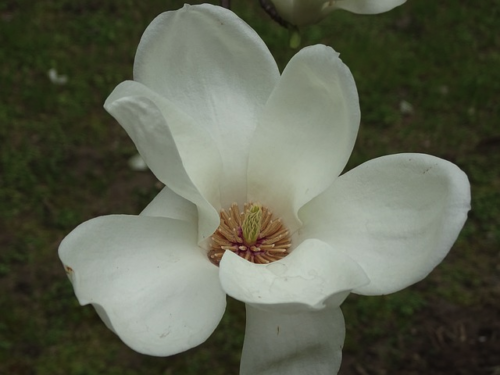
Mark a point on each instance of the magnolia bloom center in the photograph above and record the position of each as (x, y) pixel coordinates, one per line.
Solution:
(252, 234)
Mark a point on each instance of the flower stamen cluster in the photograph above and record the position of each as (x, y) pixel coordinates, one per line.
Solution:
(252, 234)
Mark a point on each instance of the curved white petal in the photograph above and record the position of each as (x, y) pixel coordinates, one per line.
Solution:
(170, 205)
(306, 134)
(366, 6)
(293, 344)
(147, 279)
(397, 216)
(176, 149)
(314, 274)
(220, 72)
(307, 12)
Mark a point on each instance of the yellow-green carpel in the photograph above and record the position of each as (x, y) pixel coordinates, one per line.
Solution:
(251, 224)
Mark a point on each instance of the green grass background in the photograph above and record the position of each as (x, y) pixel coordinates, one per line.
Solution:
(64, 161)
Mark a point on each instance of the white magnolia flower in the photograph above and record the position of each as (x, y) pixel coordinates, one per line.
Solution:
(307, 12)
(215, 121)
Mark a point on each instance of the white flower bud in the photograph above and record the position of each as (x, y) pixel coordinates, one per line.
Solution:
(308, 12)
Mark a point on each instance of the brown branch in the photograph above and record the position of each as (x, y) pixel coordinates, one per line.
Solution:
(271, 11)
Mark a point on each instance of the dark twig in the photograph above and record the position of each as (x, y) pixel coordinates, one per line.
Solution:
(271, 10)
(225, 4)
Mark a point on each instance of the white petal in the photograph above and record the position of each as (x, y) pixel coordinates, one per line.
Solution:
(397, 216)
(367, 6)
(137, 163)
(313, 275)
(170, 205)
(293, 344)
(147, 279)
(55, 78)
(176, 149)
(307, 12)
(306, 135)
(213, 66)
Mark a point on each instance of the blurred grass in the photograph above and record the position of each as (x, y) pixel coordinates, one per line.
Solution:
(63, 161)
